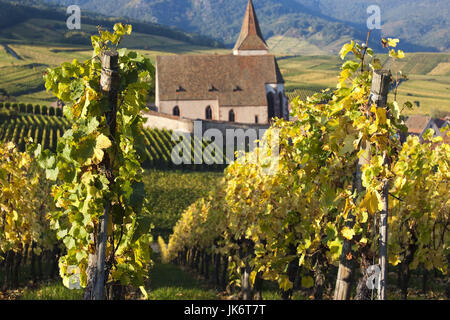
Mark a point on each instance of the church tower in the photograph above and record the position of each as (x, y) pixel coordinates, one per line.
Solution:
(250, 41)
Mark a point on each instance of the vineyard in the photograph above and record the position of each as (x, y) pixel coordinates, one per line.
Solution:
(46, 129)
(302, 94)
(346, 173)
(343, 203)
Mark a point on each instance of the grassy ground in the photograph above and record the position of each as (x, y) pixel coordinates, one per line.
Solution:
(169, 193)
(170, 282)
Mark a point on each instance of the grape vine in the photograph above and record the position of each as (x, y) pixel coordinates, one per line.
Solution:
(83, 188)
(292, 225)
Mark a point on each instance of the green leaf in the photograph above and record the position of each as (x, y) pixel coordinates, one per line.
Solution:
(85, 149)
(395, 110)
(142, 226)
(307, 282)
(351, 65)
(118, 214)
(138, 196)
(52, 174)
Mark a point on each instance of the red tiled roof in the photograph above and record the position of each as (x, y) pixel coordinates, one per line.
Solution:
(416, 124)
(197, 74)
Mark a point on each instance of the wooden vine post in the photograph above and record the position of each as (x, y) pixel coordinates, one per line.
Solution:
(379, 93)
(109, 83)
(378, 96)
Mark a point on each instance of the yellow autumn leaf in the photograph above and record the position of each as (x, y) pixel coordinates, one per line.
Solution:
(253, 277)
(346, 49)
(393, 42)
(394, 260)
(284, 283)
(348, 233)
(144, 292)
(348, 206)
(103, 142)
(98, 156)
(372, 202)
(381, 116)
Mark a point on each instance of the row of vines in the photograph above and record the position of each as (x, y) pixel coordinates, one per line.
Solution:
(291, 226)
(46, 130)
(32, 109)
(28, 247)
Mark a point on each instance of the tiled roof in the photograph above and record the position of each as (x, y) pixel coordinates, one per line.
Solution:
(416, 124)
(233, 80)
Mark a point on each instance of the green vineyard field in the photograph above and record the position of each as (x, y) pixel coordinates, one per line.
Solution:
(45, 129)
(300, 92)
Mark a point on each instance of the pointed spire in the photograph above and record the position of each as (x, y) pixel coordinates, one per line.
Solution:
(251, 37)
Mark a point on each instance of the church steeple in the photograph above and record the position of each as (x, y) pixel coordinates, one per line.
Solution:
(250, 41)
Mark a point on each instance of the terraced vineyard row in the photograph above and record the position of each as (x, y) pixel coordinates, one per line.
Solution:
(47, 129)
(42, 129)
(302, 93)
(33, 109)
(159, 146)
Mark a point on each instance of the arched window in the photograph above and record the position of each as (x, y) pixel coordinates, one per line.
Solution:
(208, 113)
(176, 111)
(256, 119)
(231, 116)
(270, 105)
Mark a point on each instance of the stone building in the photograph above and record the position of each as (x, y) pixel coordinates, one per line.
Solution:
(245, 86)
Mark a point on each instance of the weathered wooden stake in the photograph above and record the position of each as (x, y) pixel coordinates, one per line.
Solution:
(378, 96)
(97, 271)
(379, 93)
(346, 263)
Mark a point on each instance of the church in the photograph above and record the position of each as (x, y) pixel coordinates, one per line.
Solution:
(245, 86)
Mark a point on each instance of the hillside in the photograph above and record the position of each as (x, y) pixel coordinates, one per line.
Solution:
(34, 37)
(31, 22)
(422, 25)
(222, 19)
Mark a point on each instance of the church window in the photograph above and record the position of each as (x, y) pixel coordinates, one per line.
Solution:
(231, 116)
(208, 113)
(176, 111)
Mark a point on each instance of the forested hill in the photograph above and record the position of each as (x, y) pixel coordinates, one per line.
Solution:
(31, 21)
(420, 22)
(422, 25)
